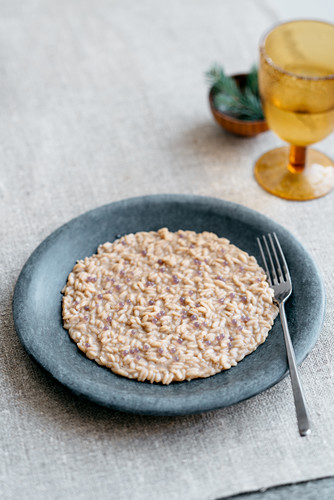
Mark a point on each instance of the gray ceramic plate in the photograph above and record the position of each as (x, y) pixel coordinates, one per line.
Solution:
(37, 305)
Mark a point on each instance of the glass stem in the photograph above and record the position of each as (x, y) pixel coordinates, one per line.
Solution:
(297, 158)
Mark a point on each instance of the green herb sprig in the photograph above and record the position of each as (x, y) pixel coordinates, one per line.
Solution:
(229, 98)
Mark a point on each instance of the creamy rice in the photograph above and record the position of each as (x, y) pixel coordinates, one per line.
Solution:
(165, 307)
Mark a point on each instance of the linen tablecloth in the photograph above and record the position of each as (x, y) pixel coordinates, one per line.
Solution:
(106, 100)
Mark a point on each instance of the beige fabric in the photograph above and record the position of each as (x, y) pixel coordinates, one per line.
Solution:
(105, 100)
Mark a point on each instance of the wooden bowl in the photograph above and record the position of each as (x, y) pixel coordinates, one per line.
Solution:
(234, 125)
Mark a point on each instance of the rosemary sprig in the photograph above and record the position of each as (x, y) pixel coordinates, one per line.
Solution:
(244, 103)
(252, 81)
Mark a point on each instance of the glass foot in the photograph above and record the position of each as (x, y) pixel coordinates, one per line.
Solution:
(315, 180)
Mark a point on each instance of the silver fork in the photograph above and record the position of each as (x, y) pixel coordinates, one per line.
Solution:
(280, 281)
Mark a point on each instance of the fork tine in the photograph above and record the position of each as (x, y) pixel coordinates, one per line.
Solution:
(264, 261)
(278, 265)
(285, 265)
(273, 270)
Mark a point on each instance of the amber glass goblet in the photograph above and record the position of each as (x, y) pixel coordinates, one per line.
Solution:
(296, 81)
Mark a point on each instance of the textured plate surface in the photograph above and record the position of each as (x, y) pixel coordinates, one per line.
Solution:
(37, 304)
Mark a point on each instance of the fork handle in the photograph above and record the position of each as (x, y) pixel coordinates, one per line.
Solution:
(300, 403)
